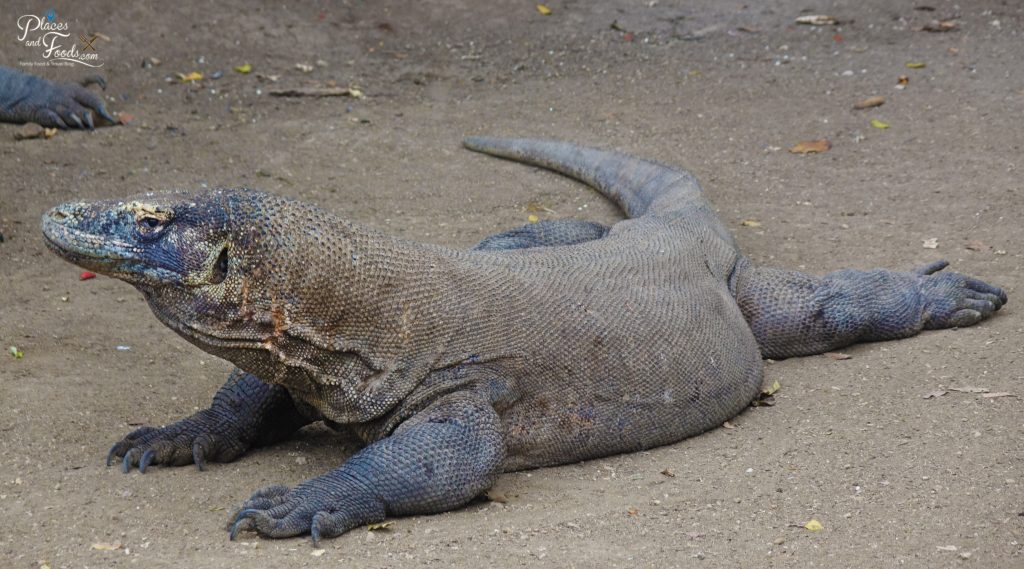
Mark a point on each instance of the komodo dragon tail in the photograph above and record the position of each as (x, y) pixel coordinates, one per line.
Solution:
(637, 186)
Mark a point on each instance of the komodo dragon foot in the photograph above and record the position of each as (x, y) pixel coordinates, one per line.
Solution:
(28, 98)
(246, 413)
(956, 300)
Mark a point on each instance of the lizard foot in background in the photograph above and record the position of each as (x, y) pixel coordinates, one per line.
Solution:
(28, 98)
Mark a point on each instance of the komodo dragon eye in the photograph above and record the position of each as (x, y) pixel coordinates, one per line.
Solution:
(150, 224)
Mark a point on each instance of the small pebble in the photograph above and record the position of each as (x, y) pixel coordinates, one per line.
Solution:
(28, 131)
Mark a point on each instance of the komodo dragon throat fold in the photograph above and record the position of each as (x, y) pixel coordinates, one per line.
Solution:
(551, 343)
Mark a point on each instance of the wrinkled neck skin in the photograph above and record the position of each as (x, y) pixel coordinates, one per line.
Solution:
(348, 319)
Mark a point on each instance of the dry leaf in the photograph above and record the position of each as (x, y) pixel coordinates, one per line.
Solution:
(50, 132)
(244, 68)
(838, 355)
(975, 245)
(934, 394)
(750, 223)
(378, 526)
(879, 124)
(544, 10)
(194, 76)
(811, 146)
(101, 546)
(970, 389)
(814, 525)
(902, 81)
(930, 243)
(537, 207)
(997, 394)
(937, 26)
(946, 547)
(870, 102)
(767, 396)
(317, 552)
(304, 67)
(668, 472)
(633, 512)
(817, 20)
(728, 425)
(916, 65)
(496, 497)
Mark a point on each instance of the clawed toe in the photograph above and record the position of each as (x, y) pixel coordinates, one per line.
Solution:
(130, 459)
(243, 517)
(147, 458)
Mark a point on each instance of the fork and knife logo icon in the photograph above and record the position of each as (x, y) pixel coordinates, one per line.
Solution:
(87, 42)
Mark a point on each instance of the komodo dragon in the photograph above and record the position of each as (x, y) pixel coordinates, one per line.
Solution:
(551, 344)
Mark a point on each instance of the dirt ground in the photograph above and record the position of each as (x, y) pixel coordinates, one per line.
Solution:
(723, 88)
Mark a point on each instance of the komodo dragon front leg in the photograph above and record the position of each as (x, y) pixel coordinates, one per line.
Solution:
(246, 413)
(795, 314)
(437, 460)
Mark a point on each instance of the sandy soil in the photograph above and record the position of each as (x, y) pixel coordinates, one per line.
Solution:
(723, 88)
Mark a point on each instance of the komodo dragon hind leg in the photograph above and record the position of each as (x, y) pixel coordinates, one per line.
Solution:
(246, 413)
(544, 234)
(796, 314)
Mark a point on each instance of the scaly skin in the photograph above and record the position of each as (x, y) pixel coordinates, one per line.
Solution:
(544, 234)
(548, 344)
(27, 98)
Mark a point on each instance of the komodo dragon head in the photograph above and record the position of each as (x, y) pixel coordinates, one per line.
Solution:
(203, 261)
(155, 242)
(282, 289)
